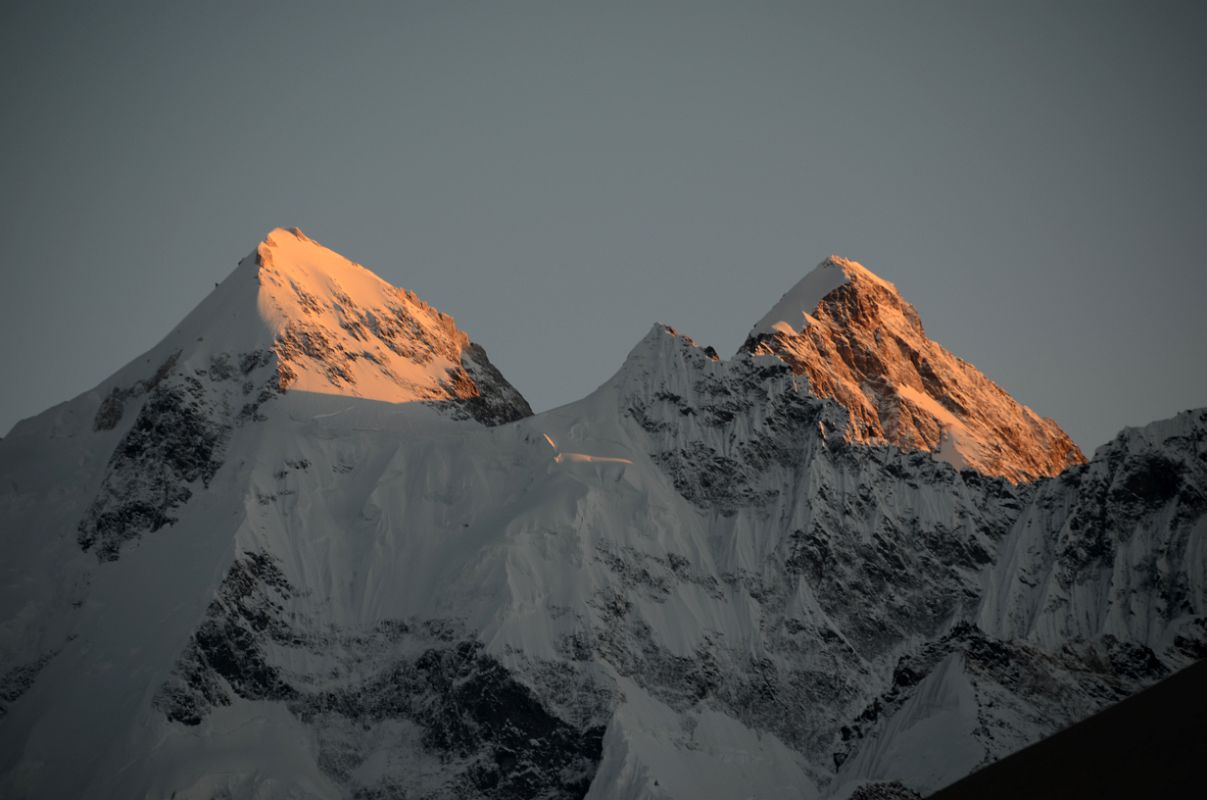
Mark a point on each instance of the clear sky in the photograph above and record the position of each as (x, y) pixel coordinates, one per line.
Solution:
(559, 175)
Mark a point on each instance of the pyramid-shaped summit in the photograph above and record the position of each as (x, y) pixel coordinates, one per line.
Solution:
(857, 341)
(339, 328)
(293, 317)
(327, 325)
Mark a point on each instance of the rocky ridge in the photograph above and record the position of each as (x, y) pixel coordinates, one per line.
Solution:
(860, 343)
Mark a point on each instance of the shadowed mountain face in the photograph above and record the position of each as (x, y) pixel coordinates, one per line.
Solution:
(858, 342)
(312, 545)
(1150, 745)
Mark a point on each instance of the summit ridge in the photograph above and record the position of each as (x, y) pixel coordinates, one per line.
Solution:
(297, 316)
(340, 329)
(857, 341)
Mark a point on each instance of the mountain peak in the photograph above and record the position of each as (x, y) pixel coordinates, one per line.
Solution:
(288, 256)
(326, 325)
(860, 343)
(338, 328)
(795, 308)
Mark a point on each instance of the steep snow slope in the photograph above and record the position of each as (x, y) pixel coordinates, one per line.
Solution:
(87, 478)
(1103, 757)
(319, 323)
(338, 328)
(1103, 550)
(860, 343)
(694, 582)
(1098, 591)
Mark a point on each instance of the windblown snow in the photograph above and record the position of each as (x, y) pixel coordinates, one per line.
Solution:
(313, 545)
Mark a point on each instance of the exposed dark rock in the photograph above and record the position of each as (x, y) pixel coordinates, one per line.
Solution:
(226, 653)
(17, 680)
(492, 401)
(174, 442)
(471, 708)
(174, 445)
(113, 407)
(893, 790)
(496, 736)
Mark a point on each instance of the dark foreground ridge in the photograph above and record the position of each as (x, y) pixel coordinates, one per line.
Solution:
(1150, 745)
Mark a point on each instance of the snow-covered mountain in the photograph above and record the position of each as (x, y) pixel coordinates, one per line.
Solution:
(859, 342)
(292, 552)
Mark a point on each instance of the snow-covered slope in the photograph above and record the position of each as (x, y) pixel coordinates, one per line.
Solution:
(695, 582)
(860, 343)
(1149, 745)
(323, 324)
(337, 328)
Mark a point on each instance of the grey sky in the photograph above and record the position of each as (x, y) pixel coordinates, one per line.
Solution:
(560, 175)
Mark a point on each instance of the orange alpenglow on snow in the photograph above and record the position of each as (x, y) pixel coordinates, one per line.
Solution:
(857, 341)
(340, 329)
(330, 326)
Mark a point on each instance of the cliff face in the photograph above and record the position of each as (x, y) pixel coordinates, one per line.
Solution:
(860, 343)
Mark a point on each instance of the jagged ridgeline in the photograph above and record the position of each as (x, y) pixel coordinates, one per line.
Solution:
(313, 544)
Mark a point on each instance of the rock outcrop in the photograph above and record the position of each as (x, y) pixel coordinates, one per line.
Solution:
(860, 343)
